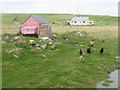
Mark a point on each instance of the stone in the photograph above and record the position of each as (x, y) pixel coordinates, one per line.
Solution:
(39, 48)
(45, 38)
(40, 40)
(43, 55)
(37, 45)
(44, 46)
(81, 34)
(11, 51)
(54, 35)
(15, 56)
(50, 43)
(31, 41)
(16, 37)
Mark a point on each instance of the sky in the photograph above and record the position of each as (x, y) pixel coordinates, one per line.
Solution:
(86, 7)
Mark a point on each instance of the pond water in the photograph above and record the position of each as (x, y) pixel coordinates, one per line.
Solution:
(113, 79)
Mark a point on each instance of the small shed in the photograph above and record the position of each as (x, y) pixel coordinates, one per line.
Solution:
(36, 25)
(80, 21)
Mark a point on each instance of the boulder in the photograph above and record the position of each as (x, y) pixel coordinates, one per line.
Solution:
(44, 46)
(46, 39)
(31, 42)
(50, 43)
(79, 34)
(37, 45)
(16, 38)
(39, 48)
(43, 55)
(16, 56)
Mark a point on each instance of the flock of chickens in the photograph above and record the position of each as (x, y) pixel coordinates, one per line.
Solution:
(89, 49)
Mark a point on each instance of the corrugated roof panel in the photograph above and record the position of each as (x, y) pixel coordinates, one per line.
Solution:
(40, 19)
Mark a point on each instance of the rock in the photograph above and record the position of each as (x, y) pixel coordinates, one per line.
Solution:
(44, 46)
(37, 45)
(43, 55)
(82, 34)
(65, 38)
(11, 51)
(46, 38)
(40, 40)
(15, 56)
(17, 50)
(79, 34)
(50, 43)
(54, 35)
(39, 48)
(16, 37)
(31, 42)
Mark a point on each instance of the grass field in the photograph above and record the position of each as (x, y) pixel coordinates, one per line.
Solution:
(62, 66)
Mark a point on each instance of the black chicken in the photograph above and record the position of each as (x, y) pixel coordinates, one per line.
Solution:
(88, 50)
(81, 52)
(101, 50)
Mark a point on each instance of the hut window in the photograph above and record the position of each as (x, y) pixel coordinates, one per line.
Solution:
(75, 22)
(83, 21)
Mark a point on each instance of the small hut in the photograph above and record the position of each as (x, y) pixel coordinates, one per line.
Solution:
(36, 25)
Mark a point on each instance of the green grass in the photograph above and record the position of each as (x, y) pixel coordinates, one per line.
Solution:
(57, 18)
(108, 81)
(62, 66)
(106, 84)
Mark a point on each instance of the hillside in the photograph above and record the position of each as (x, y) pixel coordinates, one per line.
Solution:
(9, 26)
(59, 66)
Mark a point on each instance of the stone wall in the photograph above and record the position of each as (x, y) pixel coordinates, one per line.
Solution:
(45, 31)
